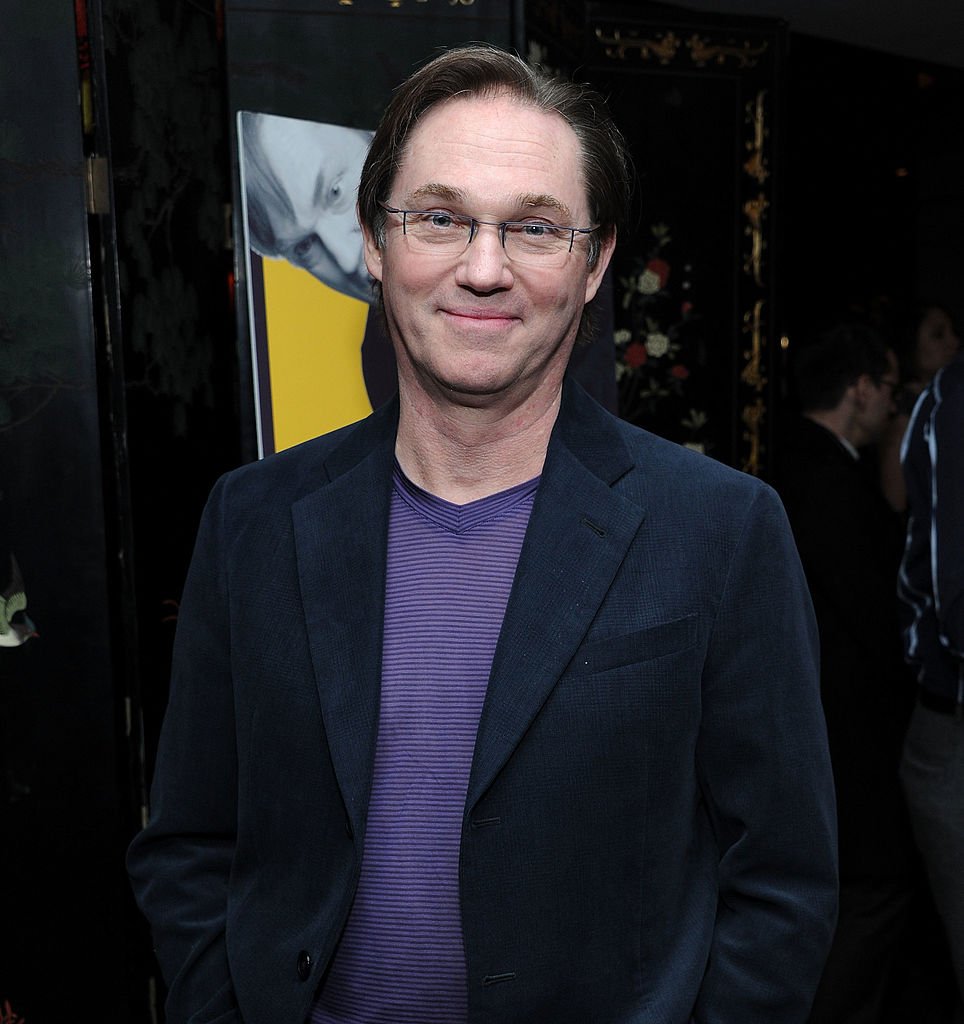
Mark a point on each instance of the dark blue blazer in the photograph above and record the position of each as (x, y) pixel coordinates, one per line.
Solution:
(649, 826)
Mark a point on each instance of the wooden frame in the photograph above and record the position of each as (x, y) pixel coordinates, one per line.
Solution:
(696, 313)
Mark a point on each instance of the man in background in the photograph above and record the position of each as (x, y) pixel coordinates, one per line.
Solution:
(931, 595)
(491, 707)
(850, 542)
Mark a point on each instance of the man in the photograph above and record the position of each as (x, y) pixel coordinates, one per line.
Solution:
(491, 707)
(850, 542)
(931, 592)
(301, 185)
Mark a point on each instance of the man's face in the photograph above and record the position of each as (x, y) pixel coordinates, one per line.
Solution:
(937, 343)
(475, 326)
(311, 185)
(878, 403)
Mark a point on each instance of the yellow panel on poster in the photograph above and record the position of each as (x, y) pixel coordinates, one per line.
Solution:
(315, 336)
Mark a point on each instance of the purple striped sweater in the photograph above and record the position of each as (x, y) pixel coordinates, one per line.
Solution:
(450, 570)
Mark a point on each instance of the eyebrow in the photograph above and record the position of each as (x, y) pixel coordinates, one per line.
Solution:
(525, 201)
(321, 187)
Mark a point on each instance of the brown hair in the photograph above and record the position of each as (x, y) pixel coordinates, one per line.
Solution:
(484, 70)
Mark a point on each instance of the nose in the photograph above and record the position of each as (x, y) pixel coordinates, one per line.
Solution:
(484, 265)
(341, 236)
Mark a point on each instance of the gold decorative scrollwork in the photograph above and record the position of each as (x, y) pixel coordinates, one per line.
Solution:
(753, 325)
(754, 377)
(663, 48)
(756, 163)
(702, 51)
(753, 416)
(754, 210)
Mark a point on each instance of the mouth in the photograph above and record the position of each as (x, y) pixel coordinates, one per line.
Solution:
(484, 318)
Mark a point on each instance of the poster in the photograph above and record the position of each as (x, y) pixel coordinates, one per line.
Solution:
(307, 83)
(309, 294)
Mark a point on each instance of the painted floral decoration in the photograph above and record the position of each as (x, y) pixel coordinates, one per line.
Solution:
(657, 343)
(8, 1015)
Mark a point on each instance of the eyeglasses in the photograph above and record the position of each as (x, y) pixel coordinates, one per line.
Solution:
(532, 242)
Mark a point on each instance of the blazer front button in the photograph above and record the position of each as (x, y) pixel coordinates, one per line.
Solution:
(304, 965)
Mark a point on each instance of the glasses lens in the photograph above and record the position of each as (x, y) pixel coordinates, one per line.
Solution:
(542, 244)
(448, 234)
(443, 233)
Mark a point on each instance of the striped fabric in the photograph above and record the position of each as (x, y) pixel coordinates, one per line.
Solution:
(450, 570)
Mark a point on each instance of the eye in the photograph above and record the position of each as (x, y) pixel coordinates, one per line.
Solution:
(438, 219)
(537, 233)
(340, 195)
(302, 248)
(536, 230)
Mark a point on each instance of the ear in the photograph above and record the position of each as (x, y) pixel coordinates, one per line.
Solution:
(594, 279)
(373, 255)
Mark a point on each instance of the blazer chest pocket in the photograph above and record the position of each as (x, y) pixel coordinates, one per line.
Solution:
(639, 646)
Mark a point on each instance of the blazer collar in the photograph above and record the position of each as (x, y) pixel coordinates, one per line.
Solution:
(578, 536)
(341, 540)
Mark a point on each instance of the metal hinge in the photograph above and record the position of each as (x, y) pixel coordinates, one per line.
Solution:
(98, 185)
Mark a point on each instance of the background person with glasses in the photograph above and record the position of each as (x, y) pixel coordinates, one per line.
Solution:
(491, 707)
(850, 542)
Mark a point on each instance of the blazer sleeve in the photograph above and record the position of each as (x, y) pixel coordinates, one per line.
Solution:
(764, 770)
(180, 863)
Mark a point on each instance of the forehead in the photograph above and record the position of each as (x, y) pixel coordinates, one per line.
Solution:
(493, 150)
(935, 319)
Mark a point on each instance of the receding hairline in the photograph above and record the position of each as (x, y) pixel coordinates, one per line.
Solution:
(525, 200)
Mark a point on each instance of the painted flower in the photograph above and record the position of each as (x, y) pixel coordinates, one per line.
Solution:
(648, 282)
(621, 336)
(660, 268)
(695, 420)
(657, 344)
(635, 354)
(679, 371)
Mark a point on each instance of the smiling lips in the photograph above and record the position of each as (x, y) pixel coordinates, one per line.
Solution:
(493, 316)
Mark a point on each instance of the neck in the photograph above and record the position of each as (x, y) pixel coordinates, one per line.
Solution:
(839, 421)
(462, 452)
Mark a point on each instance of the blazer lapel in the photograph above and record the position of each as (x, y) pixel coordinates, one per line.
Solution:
(340, 541)
(578, 535)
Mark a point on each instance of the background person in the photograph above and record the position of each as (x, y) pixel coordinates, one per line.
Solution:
(931, 593)
(850, 542)
(924, 343)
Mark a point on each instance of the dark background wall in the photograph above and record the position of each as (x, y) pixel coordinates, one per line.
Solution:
(874, 199)
(65, 807)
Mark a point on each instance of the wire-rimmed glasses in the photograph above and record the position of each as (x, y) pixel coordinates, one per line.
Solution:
(533, 242)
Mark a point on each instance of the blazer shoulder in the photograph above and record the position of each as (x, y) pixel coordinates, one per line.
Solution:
(686, 474)
(286, 476)
(638, 461)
